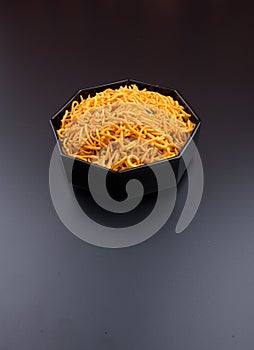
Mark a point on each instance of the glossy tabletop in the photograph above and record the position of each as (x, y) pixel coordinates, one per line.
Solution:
(193, 290)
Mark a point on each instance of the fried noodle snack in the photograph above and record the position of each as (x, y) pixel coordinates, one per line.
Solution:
(125, 128)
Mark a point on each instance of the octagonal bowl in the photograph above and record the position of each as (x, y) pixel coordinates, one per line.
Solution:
(77, 170)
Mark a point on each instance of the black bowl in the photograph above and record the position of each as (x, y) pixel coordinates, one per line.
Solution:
(77, 170)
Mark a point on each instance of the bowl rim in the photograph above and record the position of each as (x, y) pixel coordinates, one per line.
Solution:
(130, 82)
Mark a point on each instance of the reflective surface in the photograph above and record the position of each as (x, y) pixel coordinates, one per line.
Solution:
(189, 291)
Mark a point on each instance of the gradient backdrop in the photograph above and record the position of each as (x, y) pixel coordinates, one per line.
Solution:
(190, 291)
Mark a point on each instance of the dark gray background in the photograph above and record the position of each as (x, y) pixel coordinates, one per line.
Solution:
(189, 291)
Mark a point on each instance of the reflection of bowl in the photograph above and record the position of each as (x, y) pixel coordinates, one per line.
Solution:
(77, 170)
